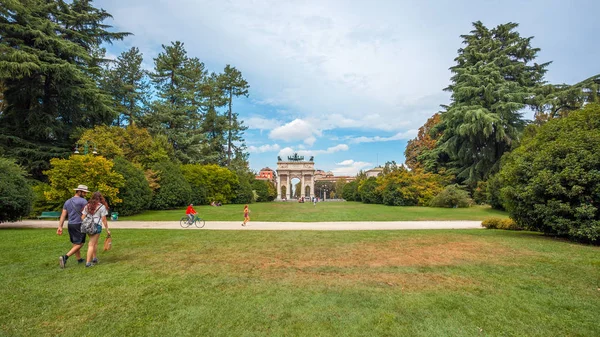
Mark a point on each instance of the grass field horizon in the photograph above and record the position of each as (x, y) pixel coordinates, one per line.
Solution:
(324, 211)
(302, 283)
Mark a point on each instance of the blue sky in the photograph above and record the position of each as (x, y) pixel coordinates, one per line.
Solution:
(348, 82)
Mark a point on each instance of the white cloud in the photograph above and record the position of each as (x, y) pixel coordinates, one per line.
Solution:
(350, 167)
(346, 162)
(288, 151)
(318, 58)
(263, 148)
(261, 123)
(410, 134)
(310, 140)
(295, 130)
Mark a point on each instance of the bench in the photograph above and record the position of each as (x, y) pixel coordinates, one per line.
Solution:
(49, 215)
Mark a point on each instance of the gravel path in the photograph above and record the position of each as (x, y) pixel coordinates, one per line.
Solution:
(256, 225)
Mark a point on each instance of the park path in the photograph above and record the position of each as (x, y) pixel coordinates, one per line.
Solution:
(257, 225)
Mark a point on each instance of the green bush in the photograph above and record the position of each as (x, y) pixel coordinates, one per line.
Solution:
(480, 195)
(498, 223)
(401, 187)
(243, 192)
(40, 202)
(265, 190)
(16, 196)
(350, 191)
(551, 183)
(493, 187)
(136, 193)
(452, 197)
(491, 223)
(174, 190)
(210, 183)
(94, 171)
(368, 192)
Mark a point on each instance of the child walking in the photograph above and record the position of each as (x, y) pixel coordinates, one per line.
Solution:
(246, 215)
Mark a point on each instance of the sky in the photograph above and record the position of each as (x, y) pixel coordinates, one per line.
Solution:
(348, 82)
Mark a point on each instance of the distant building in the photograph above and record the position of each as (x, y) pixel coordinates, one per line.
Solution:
(321, 175)
(266, 174)
(374, 172)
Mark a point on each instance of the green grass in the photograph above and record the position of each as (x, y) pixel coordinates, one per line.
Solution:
(302, 283)
(324, 211)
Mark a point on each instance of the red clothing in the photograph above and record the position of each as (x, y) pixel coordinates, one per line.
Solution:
(190, 210)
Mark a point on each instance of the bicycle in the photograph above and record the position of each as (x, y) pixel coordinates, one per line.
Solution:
(185, 222)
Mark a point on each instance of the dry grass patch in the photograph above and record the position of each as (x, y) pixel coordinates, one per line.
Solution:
(410, 263)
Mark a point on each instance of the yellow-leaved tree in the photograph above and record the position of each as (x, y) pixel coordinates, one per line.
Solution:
(96, 172)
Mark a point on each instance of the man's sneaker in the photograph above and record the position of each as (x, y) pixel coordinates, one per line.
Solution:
(95, 261)
(62, 260)
(81, 260)
(89, 264)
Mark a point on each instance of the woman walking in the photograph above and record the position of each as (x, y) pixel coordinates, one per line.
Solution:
(99, 209)
(246, 215)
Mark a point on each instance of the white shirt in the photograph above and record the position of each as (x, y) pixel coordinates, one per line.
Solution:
(100, 212)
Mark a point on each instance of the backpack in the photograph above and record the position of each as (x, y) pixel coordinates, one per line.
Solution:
(88, 226)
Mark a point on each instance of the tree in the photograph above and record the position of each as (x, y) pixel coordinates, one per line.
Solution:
(16, 196)
(401, 187)
(214, 126)
(94, 171)
(452, 197)
(555, 101)
(551, 183)
(243, 191)
(350, 191)
(321, 186)
(210, 183)
(127, 82)
(133, 143)
(339, 187)
(174, 190)
(176, 113)
(234, 85)
(297, 189)
(492, 82)
(48, 64)
(368, 191)
(265, 190)
(424, 142)
(135, 193)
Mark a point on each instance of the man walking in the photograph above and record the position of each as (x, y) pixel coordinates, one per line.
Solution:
(72, 209)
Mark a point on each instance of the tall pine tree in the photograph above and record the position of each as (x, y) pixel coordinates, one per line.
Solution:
(493, 79)
(234, 85)
(127, 82)
(214, 125)
(176, 113)
(48, 58)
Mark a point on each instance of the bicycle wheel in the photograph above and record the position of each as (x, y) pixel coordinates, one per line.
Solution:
(184, 222)
(199, 222)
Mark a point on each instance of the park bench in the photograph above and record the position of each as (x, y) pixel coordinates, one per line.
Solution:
(49, 215)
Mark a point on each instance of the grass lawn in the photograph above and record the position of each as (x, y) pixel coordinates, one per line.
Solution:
(324, 211)
(301, 283)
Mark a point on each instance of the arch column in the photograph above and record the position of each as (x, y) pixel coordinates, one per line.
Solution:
(278, 187)
(302, 189)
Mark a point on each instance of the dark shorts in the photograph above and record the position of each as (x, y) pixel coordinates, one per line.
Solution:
(75, 234)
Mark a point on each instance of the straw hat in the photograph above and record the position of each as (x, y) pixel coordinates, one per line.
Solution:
(82, 188)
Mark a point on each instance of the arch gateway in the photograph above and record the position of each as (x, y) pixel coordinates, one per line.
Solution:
(295, 167)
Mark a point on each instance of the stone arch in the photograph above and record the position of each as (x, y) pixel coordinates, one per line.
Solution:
(295, 167)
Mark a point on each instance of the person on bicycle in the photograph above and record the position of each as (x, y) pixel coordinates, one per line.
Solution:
(191, 212)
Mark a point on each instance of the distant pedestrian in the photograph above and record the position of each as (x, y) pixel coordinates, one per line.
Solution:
(72, 212)
(99, 210)
(314, 201)
(246, 215)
